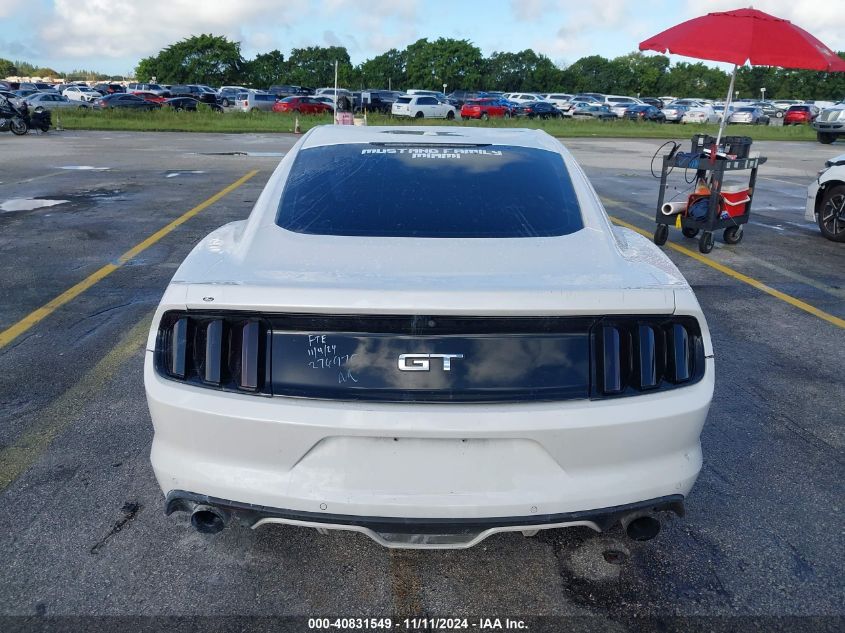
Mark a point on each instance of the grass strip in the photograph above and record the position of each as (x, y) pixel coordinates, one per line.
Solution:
(241, 122)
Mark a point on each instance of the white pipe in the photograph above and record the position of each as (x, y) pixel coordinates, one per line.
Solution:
(726, 112)
(673, 208)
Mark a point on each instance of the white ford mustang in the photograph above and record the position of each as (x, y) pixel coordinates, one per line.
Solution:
(428, 335)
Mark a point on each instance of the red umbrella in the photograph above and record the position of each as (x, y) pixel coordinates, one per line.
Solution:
(745, 36)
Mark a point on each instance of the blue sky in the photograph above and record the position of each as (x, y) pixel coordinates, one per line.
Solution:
(111, 35)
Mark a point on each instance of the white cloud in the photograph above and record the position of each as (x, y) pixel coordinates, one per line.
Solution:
(8, 7)
(579, 26)
(823, 22)
(125, 28)
(401, 9)
(529, 10)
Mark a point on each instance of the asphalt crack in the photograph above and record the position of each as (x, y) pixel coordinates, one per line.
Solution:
(128, 513)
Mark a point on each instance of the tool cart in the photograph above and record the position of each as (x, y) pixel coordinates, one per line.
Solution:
(718, 207)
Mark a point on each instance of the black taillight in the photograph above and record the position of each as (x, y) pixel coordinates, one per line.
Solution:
(221, 351)
(646, 357)
(611, 360)
(679, 353)
(638, 354)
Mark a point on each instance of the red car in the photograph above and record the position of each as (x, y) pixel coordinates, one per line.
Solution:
(800, 114)
(301, 105)
(484, 109)
(149, 96)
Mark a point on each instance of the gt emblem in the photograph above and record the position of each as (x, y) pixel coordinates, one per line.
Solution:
(421, 362)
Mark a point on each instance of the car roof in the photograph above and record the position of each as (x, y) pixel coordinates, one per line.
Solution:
(348, 134)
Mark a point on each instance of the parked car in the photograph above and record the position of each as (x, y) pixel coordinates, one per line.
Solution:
(720, 109)
(557, 99)
(537, 109)
(127, 101)
(783, 104)
(523, 97)
(40, 101)
(657, 103)
(422, 107)
(354, 403)
(36, 85)
(189, 104)
(151, 97)
(280, 92)
(618, 105)
(373, 100)
(416, 92)
(830, 123)
(704, 113)
(600, 112)
(11, 97)
(333, 94)
(577, 100)
(195, 91)
(156, 89)
(458, 98)
(674, 113)
(798, 114)
(81, 93)
(23, 93)
(302, 105)
(255, 102)
(769, 109)
(749, 115)
(689, 103)
(645, 112)
(227, 95)
(596, 96)
(485, 109)
(108, 89)
(826, 199)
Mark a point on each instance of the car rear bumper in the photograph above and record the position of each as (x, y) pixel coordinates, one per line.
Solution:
(418, 533)
(432, 460)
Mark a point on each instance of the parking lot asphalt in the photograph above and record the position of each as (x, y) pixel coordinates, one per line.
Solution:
(83, 530)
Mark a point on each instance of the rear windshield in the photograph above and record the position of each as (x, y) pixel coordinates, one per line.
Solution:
(446, 191)
(403, 100)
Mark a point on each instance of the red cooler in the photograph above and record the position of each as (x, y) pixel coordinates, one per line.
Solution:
(735, 199)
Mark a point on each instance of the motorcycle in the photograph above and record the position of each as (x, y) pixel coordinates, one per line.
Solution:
(19, 121)
(11, 119)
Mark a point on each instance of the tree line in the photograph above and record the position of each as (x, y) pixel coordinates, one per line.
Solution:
(9, 68)
(459, 64)
(215, 60)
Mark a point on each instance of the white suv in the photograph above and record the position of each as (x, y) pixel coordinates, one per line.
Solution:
(422, 107)
(81, 93)
(489, 355)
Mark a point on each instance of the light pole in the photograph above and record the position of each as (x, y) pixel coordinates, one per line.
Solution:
(762, 94)
(444, 89)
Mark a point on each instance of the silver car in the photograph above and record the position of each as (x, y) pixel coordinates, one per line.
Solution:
(675, 113)
(749, 116)
(40, 101)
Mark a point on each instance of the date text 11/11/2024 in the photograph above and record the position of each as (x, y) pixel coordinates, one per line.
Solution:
(416, 624)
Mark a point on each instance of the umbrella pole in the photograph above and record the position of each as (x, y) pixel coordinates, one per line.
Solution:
(725, 114)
